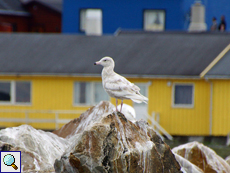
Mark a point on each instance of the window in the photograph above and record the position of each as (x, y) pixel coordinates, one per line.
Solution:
(154, 20)
(22, 92)
(144, 91)
(82, 19)
(183, 95)
(15, 92)
(89, 93)
(91, 21)
(82, 93)
(99, 93)
(5, 94)
(141, 109)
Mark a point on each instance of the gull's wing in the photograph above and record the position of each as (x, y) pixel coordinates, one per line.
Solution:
(119, 83)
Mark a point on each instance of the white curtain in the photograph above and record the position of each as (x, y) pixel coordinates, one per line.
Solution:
(99, 93)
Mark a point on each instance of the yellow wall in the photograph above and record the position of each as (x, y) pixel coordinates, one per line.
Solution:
(56, 93)
(221, 107)
(181, 121)
(48, 93)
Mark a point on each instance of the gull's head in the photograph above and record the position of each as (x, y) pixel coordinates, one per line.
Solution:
(105, 62)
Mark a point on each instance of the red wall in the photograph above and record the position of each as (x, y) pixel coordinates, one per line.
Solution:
(9, 22)
(42, 19)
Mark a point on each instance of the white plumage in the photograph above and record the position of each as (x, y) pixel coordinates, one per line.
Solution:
(116, 85)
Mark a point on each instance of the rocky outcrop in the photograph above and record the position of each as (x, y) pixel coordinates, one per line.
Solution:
(186, 166)
(91, 116)
(39, 149)
(203, 157)
(98, 141)
(102, 141)
(228, 160)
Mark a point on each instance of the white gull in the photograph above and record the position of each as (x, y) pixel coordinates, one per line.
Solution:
(116, 85)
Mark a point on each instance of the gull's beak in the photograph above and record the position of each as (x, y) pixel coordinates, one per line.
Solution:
(97, 63)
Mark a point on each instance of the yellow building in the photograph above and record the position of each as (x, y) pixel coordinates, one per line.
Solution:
(46, 80)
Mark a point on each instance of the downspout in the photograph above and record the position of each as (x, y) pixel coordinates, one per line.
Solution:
(210, 107)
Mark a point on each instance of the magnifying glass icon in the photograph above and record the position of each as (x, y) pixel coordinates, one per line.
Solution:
(9, 160)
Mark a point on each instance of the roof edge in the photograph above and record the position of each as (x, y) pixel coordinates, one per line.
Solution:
(217, 77)
(17, 13)
(43, 4)
(99, 75)
(215, 61)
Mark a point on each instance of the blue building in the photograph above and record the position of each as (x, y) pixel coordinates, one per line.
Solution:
(158, 15)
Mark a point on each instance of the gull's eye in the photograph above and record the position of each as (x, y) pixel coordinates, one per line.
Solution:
(104, 59)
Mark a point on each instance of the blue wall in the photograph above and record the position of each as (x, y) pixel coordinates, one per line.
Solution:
(128, 14)
(213, 8)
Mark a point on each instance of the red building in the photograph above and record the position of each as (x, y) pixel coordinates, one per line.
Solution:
(30, 15)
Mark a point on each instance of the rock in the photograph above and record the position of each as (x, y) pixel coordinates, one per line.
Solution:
(98, 141)
(89, 117)
(102, 141)
(203, 157)
(228, 160)
(39, 149)
(186, 166)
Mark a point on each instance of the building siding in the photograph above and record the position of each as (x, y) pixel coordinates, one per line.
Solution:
(121, 14)
(127, 14)
(181, 121)
(44, 19)
(20, 23)
(47, 94)
(221, 108)
(52, 93)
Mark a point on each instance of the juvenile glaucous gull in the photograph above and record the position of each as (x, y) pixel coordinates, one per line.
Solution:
(116, 85)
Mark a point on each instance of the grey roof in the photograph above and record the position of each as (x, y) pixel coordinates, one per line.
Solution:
(12, 7)
(163, 54)
(221, 69)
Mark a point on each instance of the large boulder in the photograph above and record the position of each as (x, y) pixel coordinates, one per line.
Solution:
(227, 159)
(98, 141)
(39, 149)
(88, 118)
(203, 157)
(105, 141)
(186, 166)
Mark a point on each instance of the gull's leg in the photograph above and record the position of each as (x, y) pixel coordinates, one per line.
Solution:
(116, 105)
(121, 104)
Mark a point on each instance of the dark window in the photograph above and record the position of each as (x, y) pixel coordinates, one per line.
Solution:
(82, 92)
(5, 91)
(23, 92)
(183, 94)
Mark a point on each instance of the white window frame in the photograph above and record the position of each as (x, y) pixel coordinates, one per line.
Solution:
(183, 105)
(13, 94)
(145, 85)
(92, 96)
(146, 94)
(83, 18)
(147, 26)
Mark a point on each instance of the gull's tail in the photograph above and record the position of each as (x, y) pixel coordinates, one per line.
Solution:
(138, 98)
